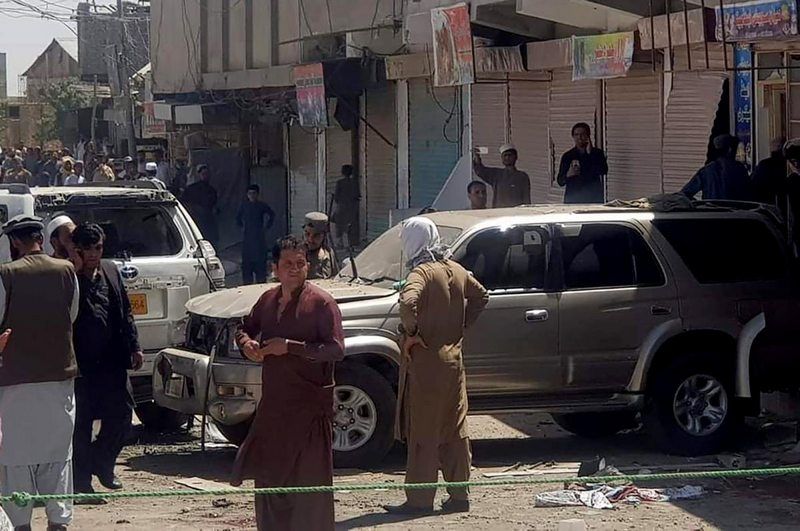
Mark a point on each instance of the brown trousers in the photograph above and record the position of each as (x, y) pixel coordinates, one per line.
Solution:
(424, 462)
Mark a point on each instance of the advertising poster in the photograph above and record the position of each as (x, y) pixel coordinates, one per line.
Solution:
(453, 57)
(309, 82)
(757, 19)
(152, 127)
(743, 104)
(602, 56)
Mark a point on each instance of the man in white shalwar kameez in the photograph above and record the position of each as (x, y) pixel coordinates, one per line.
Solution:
(37, 401)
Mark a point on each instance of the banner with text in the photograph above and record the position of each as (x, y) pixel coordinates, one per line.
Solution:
(759, 19)
(309, 82)
(453, 57)
(602, 56)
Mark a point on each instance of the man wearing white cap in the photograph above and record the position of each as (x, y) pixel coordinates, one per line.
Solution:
(59, 233)
(511, 187)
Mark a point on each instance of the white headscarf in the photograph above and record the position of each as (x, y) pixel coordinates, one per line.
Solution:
(421, 242)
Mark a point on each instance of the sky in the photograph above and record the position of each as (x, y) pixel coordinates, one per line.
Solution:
(24, 36)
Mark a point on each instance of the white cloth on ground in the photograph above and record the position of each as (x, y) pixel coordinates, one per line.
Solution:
(45, 478)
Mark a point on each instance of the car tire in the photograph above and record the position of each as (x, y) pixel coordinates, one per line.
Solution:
(160, 419)
(593, 425)
(363, 386)
(691, 406)
(235, 433)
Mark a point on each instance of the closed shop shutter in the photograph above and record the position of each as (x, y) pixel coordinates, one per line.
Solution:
(338, 152)
(302, 176)
(490, 119)
(530, 111)
(688, 120)
(381, 158)
(633, 136)
(570, 102)
(434, 125)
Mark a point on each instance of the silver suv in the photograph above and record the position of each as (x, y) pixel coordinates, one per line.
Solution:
(161, 255)
(597, 315)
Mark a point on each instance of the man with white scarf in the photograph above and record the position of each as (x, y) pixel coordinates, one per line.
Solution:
(37, 399)
(437, 302)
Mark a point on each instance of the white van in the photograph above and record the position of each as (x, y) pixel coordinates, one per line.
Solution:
(162, 257)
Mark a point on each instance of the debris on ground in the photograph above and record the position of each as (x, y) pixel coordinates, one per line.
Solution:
(537, 469)
(779, 435)
(573, 524)
(732, 461)
(605, 496)
(221, 502)
(202, 484)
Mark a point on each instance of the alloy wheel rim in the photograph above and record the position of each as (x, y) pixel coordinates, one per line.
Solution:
(700, 405)
(355, 418)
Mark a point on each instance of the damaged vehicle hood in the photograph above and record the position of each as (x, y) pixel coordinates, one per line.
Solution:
(235, 303)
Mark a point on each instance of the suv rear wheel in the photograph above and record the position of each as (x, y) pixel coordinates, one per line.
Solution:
(691, 406)
(596, 424)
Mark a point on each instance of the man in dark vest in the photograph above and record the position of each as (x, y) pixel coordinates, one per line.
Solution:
(37, 400)
(106, 346)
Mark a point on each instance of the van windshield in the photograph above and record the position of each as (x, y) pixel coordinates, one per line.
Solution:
(137, 231)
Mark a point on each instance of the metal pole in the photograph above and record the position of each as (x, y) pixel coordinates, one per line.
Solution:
(94, 108)
(652, 37)
(125, 81)
(669, 27)
(724, 34)
(686, 29)
(705, 37)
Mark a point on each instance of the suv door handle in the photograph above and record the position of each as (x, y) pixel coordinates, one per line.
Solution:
(537, 316)
(660, 310)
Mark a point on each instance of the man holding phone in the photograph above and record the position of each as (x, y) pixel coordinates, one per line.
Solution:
(106, 346)
(511, 186)
(583, 169)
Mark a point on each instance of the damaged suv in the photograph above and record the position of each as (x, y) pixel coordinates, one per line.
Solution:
(598, 315)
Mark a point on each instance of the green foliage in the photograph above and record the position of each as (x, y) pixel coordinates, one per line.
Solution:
(59, 96)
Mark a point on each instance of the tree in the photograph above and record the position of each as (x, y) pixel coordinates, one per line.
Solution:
(59, 96)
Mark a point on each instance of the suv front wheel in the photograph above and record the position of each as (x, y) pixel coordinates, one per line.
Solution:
(691, 406)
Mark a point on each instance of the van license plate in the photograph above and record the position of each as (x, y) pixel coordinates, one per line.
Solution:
(174, 387)
(138, 303)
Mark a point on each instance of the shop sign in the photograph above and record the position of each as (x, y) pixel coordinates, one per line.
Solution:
(743, 103)
(453, 57)
(758, 19)
(152, 127)
(309, 82)
(602, 56)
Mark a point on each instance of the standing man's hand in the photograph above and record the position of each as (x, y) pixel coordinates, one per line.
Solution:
(411, 342)
(4, 339)
(250, 348)
(277, 346)
(137, 360)
(574, 169)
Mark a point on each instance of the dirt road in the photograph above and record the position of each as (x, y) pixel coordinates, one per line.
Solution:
(500, 442)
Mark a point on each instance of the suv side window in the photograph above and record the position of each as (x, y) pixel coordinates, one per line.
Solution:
(607, 256)
(514, 258)
(726, 250)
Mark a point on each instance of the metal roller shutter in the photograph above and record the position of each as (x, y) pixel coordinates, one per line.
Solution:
(530, 115)
(434, 138)
(688, 120)
(633, 136)
(381, 158)
(338, 152)
(302, 176)
(570, 102)
(490, 119)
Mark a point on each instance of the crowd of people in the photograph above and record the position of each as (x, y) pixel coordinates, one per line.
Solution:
(68, 378)
(36, 167)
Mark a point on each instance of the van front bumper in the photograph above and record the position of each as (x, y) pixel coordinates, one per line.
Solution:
(181, 383)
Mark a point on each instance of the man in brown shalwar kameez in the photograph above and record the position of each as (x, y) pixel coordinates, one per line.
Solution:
(438, 301)
(295, 331)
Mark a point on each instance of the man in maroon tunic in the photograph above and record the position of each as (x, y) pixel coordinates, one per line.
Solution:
(295, 331)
